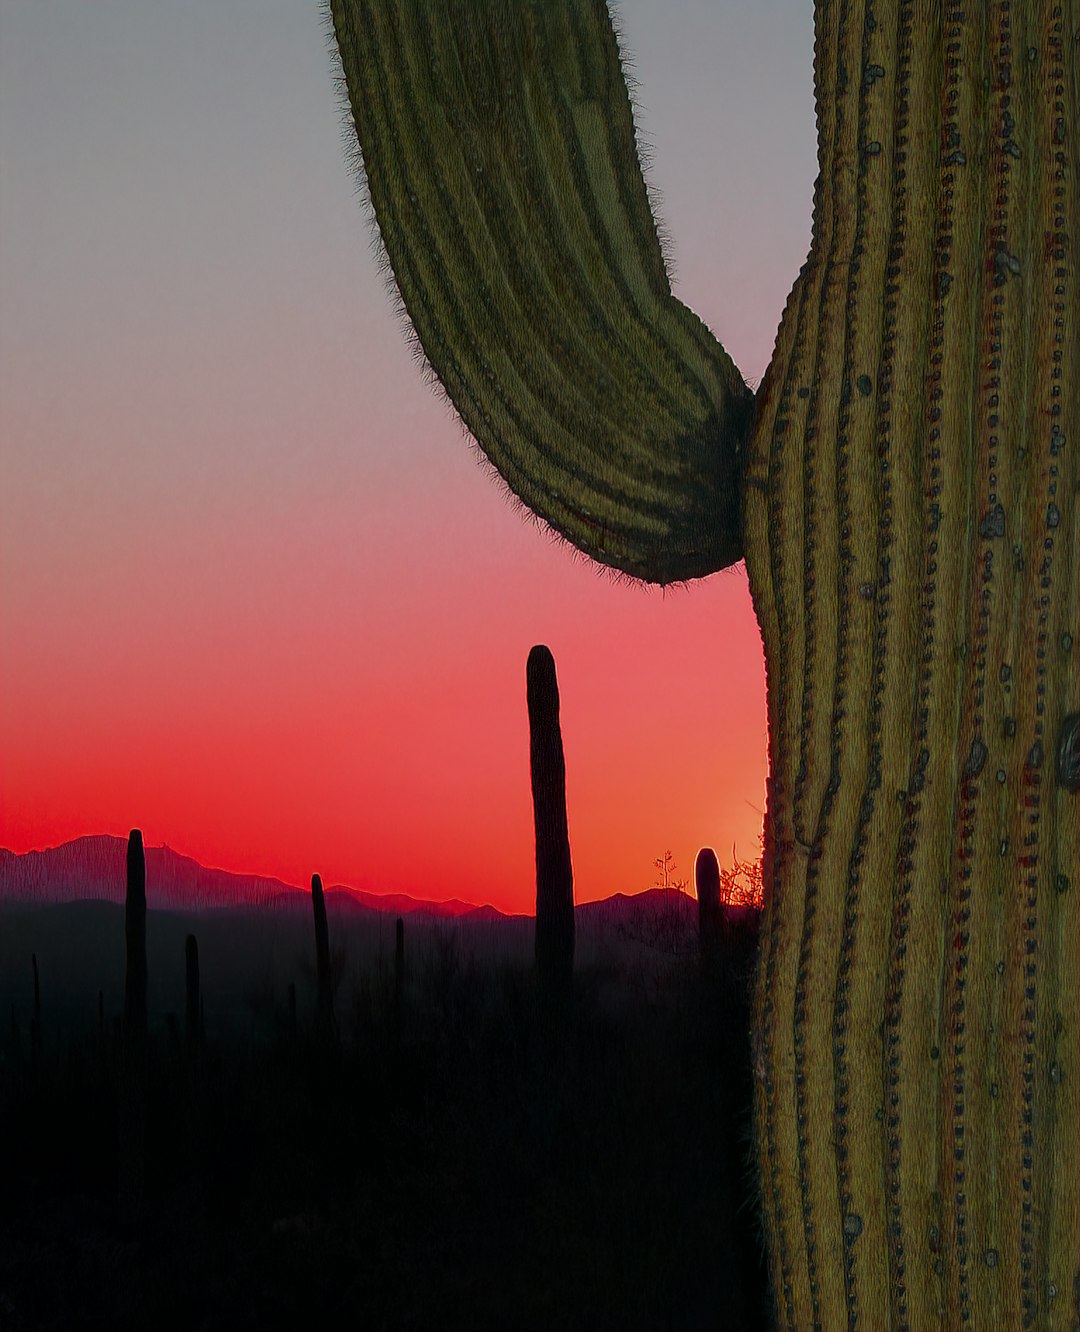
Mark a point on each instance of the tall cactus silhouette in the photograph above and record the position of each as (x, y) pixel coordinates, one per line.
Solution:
(324, 999)
(135, 938)
(904, 489)
(554, 874)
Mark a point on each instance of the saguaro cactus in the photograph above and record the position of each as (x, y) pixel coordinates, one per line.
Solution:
(324, 1001)
(710, 920)
(554, 874)
(399, 965)
(907, 481)
(135, 936)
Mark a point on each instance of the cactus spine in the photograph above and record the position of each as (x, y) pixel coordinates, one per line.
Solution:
(920, 968)
(192, 1006)
(554, 874)
(324, 1001)
(910, 524)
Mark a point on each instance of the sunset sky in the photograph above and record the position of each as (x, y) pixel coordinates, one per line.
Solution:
(257, 595)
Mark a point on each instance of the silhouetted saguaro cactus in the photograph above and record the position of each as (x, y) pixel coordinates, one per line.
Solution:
(35, 1020)
(324, 1000)
(131, 1155)
(710, 918)
(399, 968)
(554, 875)
(904, 486)
(192, 1007)
(135, 936)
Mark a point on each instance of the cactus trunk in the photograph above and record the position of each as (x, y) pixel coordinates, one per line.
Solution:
(399, 969)
(554, 875)
(911, 532)
(912, 536)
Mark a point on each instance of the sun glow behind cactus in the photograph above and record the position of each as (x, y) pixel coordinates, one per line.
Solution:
(257, 597)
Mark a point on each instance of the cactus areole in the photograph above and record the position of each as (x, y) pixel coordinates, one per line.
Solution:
(904, 491)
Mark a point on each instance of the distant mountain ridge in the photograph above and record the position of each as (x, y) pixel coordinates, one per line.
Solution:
(94, 868)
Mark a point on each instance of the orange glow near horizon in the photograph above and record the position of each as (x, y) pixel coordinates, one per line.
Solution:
(400, 764)
(257, 597)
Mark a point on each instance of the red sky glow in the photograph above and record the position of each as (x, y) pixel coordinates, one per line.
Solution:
(259, 598)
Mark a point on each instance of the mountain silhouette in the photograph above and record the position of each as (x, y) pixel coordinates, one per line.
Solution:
(94, 869)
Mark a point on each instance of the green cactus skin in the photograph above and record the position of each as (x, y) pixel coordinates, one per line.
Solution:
(710, 920)
(604, 403)
(323, 992)
(192, 1005)
(554, 873)
(912, 540)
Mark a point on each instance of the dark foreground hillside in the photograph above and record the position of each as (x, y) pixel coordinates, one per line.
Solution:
(453, 1159)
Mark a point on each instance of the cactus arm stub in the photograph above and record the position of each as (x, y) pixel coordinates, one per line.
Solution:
(499, 156)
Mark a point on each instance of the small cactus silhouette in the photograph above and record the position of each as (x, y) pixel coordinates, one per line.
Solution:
(35, 1020)
(710, 916)
(131, 1155)
(135, 934)
(324, 1000)
(192, 1007)
(554, 875)
(904, 488)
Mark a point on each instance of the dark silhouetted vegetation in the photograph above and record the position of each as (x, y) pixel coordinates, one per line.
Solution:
(192, 996)
(449, 1168)
(707, 882)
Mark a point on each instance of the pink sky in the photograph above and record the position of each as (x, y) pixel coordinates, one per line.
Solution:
(258, 597)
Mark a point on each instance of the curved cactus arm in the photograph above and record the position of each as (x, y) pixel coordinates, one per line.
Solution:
(497, 141)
